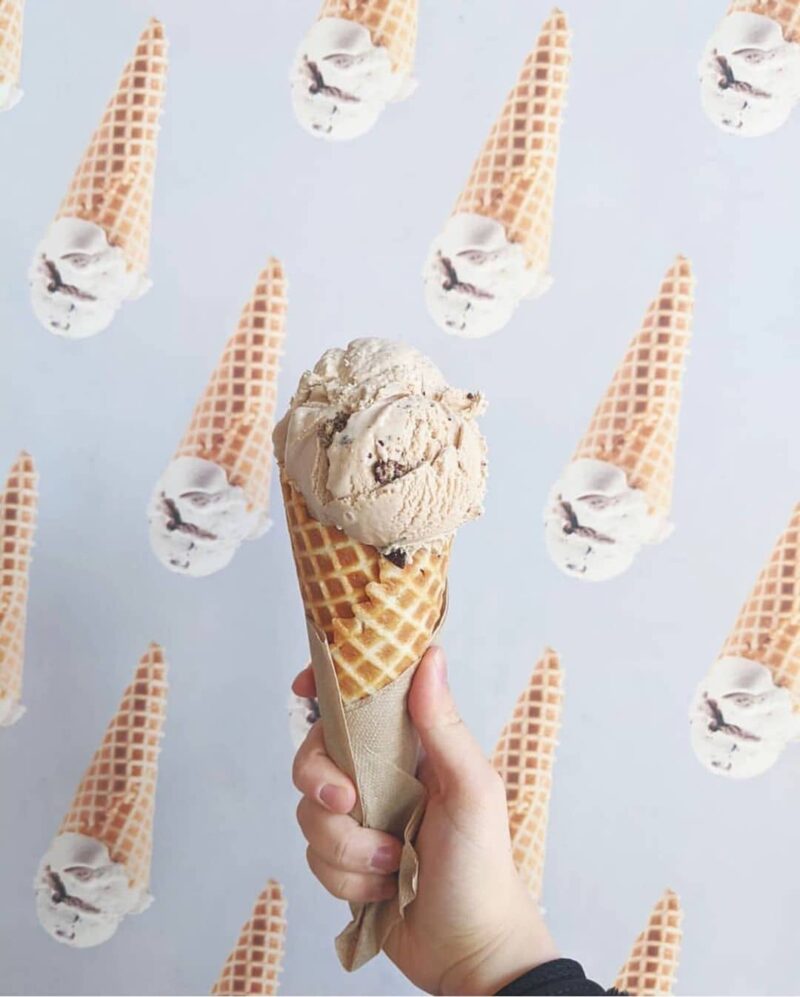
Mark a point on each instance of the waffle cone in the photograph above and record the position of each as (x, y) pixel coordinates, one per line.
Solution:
(378, 619)
(233, 420)
(635, 426)
(255, 964)
(18, 507)
(11, 15)
(514, 178)
(768, 627)
(785, 12)
(113, 185)
(653, 963)
(115, 800)
(524, 757)
(391, 23)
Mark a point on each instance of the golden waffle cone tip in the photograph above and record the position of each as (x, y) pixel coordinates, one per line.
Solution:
(233, 421)
(652, 966)
(635, 426)
(11, 19)
(785, 12)
(113, 185)
(392, 24)
(255, 964)
(115, 801)
(18, 509)
(514, 178)
(524, 757)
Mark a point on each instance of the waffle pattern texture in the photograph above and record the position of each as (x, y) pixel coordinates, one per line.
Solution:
(11, 17)
(636, 424)
(391, 23)
(785, 12)
(652, 966)
(255, 964)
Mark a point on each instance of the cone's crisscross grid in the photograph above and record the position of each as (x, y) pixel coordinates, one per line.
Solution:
(636, 424)
(391, 23)
(652, 966)
(11, 17)
(255, 965)
(233, 421)
(768, 627)
(514, 178)
(113, 186)
(378, 618)
(524, 757)
(785, 12)
(18, 508)
(115, 801)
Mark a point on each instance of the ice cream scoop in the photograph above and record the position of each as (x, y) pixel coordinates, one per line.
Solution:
(475, 277)
(198, 519)
(741, 721)
(10, 96)
(342, 81)
(750, 75)
(81, 895)
(381, 447)
(596, 523)
(303, 714)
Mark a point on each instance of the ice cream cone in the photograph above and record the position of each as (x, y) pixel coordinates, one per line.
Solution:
(18, 507)
(391, 24)
(11, 15)
(768, 628)
(255, 964)
(115, 801)
(378, 618)
(785, 12)
(524, 757)
(514, 179)
(233, 420)
(635, 426)
(653, 963)
(113, 185)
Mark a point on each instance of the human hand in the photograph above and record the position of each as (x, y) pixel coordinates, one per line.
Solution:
(473, 926)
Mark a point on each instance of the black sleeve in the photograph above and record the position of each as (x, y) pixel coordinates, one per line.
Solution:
(560, 977)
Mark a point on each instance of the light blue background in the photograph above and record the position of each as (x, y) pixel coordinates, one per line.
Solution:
(643, 176)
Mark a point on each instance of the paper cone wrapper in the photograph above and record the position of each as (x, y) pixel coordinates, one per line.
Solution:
(635, 426)
(768, 627)
(18, 508)
(652, 966)
(115, 800)
(785, 12)
(113, 185)
(233, 420)
(11, 16)
(524, 757)
(514, 178)
(391, 24)
(255, 964)
(369, 622)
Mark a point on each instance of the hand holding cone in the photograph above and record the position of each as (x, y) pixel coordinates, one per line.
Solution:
(652, 966)
(11, 17)
(254, 966)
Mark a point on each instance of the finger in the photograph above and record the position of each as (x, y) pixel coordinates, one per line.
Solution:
(344, 844)
(304, 683)
(316, 776)
(357, 887)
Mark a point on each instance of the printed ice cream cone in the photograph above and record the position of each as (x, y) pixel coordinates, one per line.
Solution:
(254, 966)
(524, 757)
(784, 12)
(616, 495)
(11, 17)
(748, 707)
(97, 251)
(215, 492)
(495, 250)
(653, 963)
(18, 508)
(392, 24)
(98, 867)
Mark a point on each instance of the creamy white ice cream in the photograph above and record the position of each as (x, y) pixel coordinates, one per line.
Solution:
(81, 895)
(10, 712)
(750, 75)
(78, 281)
(10, 96)
(596, 523)
(341, 82)
(741, 720)
(303, 714)
(475, 278)
(198, 519)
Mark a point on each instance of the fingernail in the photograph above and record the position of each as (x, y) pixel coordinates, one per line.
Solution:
(335, 798)
(385, 859)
